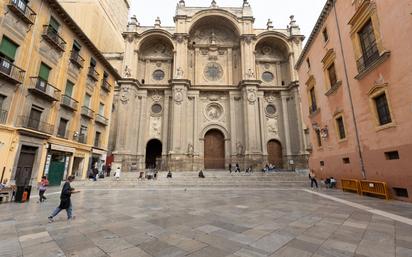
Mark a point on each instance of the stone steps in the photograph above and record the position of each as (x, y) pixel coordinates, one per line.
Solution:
(213, 178)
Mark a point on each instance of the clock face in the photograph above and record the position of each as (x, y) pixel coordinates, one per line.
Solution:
(213, 71)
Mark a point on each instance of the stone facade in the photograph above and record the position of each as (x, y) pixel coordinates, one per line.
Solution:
(209, 92)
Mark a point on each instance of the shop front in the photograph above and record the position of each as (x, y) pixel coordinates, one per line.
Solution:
(58, 161)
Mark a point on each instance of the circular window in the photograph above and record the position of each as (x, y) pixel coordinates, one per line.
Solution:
(267, 76)
(213, 71)
(158, 75)
(270, 109)
(156, 108)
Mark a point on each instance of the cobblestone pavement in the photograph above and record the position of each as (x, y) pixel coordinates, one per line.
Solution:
(209, 222)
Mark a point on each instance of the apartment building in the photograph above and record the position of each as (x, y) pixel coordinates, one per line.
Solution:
(56, 93)
(355, 72)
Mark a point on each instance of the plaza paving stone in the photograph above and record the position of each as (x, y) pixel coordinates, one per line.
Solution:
(175, 221)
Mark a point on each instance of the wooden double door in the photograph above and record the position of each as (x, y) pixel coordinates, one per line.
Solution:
(214, 150)
(275, 153)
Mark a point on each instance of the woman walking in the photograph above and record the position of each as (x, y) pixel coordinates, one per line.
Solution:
(42, 188)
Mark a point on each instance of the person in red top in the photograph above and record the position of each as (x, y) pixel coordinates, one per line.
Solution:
(44, 183)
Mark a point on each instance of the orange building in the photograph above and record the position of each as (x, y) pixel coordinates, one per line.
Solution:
(357, 102)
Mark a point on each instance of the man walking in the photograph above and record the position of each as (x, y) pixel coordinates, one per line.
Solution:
(42, 188)
(65, 202)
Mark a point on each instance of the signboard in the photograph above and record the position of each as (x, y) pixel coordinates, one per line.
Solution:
(47, 166)
(63, 148)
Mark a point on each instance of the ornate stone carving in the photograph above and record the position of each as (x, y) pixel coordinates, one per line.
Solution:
(272, 125)
(155, 127)
(270, 98)
(214, 111)
(124, 94)
(178, 95)
(251, 95)
(156, 97)
(190, 150)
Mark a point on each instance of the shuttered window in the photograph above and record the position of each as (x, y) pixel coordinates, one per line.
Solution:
(87, 100)
(54, 24)
(8, 48)
(69, 89)
(44, 71)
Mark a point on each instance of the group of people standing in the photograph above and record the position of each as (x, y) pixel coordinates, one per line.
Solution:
(329, 182)
(236, 168)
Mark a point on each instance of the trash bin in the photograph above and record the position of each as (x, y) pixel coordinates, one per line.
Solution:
(22, 193)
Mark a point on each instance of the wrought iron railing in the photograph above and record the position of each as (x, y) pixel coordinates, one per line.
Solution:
(86, 111)
(11, 71)
(22, 10)
(53, 37)
(35, 124)
(106, 86)
(76, 59)
(370, 55)
(44, 88)
(3, 116)
(69, 102)
(93, 74)
(101, 119)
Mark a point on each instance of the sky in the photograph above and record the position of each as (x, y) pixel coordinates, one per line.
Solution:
(306, 11)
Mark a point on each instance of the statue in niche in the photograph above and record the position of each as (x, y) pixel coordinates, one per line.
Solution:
(239, 148)
(213, 39)
(250, 74)
(179, 73)
(273, 126)
(190, 149)
(127, 72)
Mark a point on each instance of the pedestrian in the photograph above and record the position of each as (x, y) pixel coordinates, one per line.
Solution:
(201, 175)
(108, 170)
(169, 174)
(117, 173)
(65, 202)
(230, 168)
(237, 168)
(44, 183)
(312, 177)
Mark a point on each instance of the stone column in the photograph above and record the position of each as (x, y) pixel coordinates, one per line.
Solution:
(232, 124)
(262, 118)
(165, 123)
(251, 113)
(143, 128)
(284, 96)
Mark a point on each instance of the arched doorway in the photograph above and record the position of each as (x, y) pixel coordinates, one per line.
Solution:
(214, 150)
(153, 152)
(275, 153)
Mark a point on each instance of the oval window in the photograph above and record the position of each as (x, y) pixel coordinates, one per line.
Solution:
(270, 109)
(267, 76)
(156, 108)
(158, 75)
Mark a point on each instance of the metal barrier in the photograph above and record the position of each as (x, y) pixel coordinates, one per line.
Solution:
(351, 185)
(374, 188)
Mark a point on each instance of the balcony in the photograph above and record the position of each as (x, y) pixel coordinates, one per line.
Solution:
(11, 72)
(106, 86)
(69, 102)
(34, 124)
(43, 89)
(53, 38)
(3, 116)
(63, 134)
(81, 138)
(93, 74)
(102, 120)
(87, 112)
(22, 10)
(76, 59)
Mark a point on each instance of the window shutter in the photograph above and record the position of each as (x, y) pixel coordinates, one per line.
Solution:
(69, 89)
(76, 45)
(54, 24)
(92, 62)
(87, 100)
(8, 48)
(44, 71)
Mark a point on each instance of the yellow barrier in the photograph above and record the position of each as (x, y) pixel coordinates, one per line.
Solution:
(350, 185)
(374, 188)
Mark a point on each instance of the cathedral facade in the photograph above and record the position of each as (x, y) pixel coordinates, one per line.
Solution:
(209, 92)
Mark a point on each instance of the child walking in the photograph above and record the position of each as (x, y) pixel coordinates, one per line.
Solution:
(44, 183)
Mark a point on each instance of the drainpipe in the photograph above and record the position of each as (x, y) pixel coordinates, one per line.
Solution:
(362, 164)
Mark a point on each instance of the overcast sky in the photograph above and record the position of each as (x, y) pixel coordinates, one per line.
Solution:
(306, 11)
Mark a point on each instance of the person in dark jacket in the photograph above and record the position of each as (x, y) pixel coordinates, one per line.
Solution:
(65, 202)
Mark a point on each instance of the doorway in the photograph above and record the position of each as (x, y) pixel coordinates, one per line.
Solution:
(275, 153)
(214, 150)
(25, 165)
(153, 153)
(56, 169)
